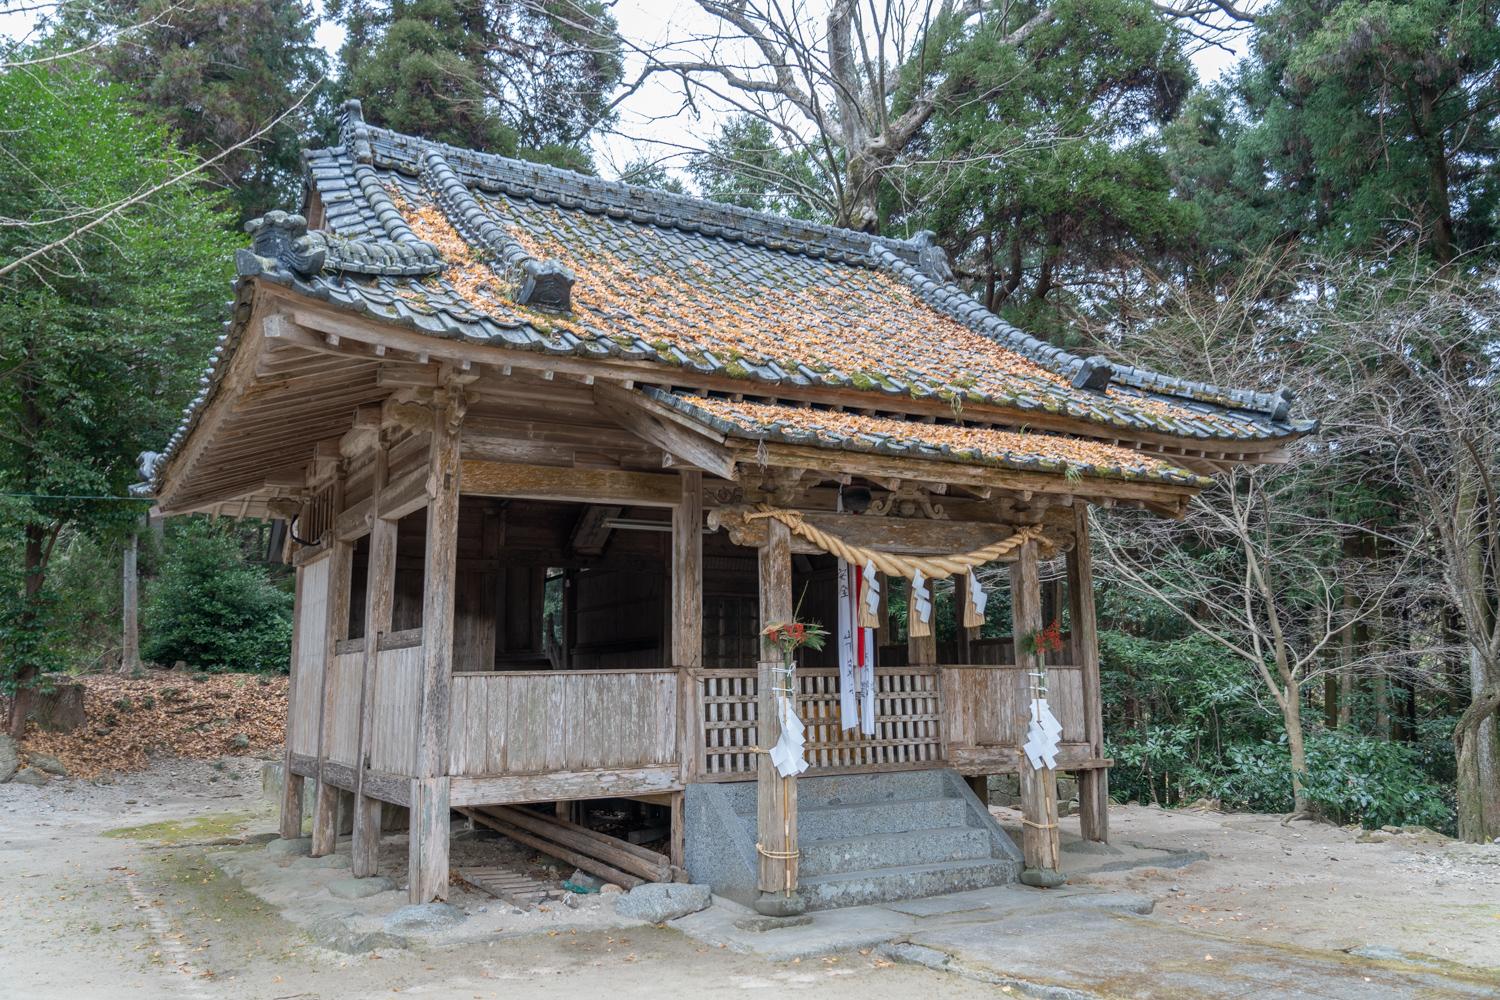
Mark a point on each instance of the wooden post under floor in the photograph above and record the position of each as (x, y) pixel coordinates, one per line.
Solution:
(326, 802)
(1039, 842)
(427, 863)
(1093, 784)
(380, 578)
(776, 797)
(291, 784)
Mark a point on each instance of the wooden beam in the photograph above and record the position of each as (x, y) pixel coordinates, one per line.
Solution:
(775, 796)
(543, 482)
(1093, 785)
(1039, 840)
(591, 533)
(930, 470)
(555, 785)
(687, 441)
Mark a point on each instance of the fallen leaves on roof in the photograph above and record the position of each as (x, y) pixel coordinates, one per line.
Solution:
(127, 719)
(637, 282)
(992, 444)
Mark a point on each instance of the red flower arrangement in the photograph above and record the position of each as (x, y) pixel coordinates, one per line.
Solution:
(793, 635)
(1044, 640)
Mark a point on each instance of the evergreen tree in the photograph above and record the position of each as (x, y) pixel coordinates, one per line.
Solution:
(1041, 170)
(508, 77)
(219, 71)
(1356, 126)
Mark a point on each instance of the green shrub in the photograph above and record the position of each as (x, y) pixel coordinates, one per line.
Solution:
(1350, 779)
(212, 609)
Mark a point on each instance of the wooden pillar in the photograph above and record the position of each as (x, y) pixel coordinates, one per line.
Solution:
(130, 632)
(427, 875)
(291, 784)
(687, 572)
(380, 578)
(1039, 840)
(776, 797)
(326, 802)
(1093, 783)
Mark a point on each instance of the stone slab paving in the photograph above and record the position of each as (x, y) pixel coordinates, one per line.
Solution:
(1118, 955)
(1082, 944)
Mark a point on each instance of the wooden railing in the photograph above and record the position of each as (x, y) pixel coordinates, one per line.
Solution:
(341, 710)
(908, 722)
(396, 713)
(539, 721)
(987, 705)
(307, 669)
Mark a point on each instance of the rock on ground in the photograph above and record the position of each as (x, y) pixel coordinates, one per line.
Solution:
(50, 764)
(9, 760)
(287, 848)
(658, 902)
(360, 888)
(423, 917)
(30, 776)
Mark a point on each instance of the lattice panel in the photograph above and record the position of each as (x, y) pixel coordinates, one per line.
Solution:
(908, 731)
(728, 706)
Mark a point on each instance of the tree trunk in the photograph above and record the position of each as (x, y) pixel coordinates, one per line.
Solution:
(35, 564)
(1477, 743)
(1291, 714)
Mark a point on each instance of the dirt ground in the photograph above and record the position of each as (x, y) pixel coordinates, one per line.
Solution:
(88, 911)
(85, 914)
(1307, 885)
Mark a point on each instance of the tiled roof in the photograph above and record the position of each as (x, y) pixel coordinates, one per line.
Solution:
(1029, 451)
(459, 244)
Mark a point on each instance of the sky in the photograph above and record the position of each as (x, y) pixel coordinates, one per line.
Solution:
(652, 124)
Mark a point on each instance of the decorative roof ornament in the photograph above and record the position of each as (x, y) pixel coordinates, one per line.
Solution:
(1094, 374)
(932, 259)
(283, 240)
(540, 283)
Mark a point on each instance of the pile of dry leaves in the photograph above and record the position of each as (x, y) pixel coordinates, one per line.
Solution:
(194, 716)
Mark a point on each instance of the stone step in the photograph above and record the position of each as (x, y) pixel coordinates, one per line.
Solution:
(882, 885)
(885, 850)
(850, 789)
(832, 822)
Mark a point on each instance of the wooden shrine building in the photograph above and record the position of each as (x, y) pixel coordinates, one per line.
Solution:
(553, 449)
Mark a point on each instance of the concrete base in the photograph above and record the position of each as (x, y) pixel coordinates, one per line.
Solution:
(780, 904)
(759, 925)
(1043, 878)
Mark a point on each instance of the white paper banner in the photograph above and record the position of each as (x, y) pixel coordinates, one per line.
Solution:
(921, 601)
(1042, 735)
(856, 654)
(977, 597)
(870, 588)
